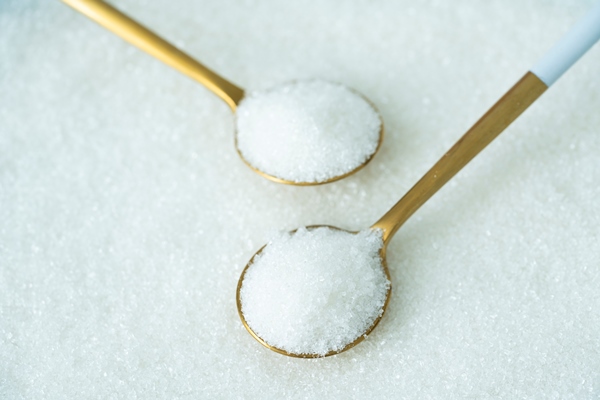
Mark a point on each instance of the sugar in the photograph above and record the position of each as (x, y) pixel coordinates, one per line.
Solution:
(316, 290)
(126, 218)
(307, 131)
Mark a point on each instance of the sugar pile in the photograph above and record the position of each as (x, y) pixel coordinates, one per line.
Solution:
(315, 291)
(126, 217)
(307, 131)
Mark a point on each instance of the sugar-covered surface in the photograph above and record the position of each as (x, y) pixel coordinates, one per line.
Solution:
(307, 131)
(127, 216)
(315, 291)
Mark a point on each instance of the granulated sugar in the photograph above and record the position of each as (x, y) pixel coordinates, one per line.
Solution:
(315, 291)
(126, 216)
(307, 131)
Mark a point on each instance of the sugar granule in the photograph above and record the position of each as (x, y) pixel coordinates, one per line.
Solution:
(307, 131)
(315, 290)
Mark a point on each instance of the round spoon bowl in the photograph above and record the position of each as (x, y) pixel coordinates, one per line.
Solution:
(360, 338)
(308, 132)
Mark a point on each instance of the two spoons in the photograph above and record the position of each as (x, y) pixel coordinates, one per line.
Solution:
(300, 133)
(549, 68)
(564, 54)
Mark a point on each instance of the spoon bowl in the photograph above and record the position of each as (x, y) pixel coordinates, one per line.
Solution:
(337, 177)
(360, 338)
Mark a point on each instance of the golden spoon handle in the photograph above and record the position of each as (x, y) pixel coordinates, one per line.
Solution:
(141, 37)
(505, 111)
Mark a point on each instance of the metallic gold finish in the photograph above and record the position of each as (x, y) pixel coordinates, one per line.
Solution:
(500, 116)
(146, 40)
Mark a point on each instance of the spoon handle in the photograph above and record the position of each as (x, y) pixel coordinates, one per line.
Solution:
(564, 54)
(141, 37)
(505, 111)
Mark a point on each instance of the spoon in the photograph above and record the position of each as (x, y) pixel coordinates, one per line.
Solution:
(146, 40)
(535, 82)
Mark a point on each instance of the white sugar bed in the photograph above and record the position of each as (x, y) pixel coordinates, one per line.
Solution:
(127, 216)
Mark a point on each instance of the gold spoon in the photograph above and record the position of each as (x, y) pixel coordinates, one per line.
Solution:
(146, 40)
(564, 54)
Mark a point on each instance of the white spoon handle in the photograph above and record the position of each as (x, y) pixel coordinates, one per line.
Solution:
(570, 48)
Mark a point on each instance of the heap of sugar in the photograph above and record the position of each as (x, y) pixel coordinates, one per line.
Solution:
(307, 131)
(315, 291)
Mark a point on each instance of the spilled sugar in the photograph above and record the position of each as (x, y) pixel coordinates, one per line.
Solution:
(307, 131)
(315, 291)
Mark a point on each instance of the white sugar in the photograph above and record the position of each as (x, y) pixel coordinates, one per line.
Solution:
(315, 291)
(307, 131)
(126, 216)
